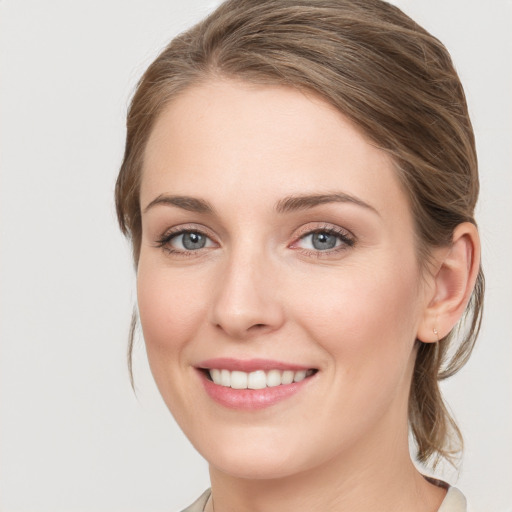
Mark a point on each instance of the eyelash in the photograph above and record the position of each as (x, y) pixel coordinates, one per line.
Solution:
(347, 239)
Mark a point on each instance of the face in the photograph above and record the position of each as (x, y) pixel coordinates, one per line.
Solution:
(279, 288)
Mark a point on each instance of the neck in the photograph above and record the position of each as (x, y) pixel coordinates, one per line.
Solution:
(377, 476)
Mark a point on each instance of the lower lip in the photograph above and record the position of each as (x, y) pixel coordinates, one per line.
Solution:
(251, 399)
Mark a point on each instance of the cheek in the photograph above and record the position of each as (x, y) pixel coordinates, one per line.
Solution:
(171, 306)
(364, 325)
(365, 321)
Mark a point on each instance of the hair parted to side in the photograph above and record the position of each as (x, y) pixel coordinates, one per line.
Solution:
(395, 81)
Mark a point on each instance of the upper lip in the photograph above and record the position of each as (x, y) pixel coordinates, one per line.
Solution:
(249, 365)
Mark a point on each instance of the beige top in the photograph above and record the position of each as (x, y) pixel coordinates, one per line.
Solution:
(454, 501)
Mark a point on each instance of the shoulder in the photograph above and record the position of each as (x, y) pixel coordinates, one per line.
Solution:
(199, 504)
(454, 501)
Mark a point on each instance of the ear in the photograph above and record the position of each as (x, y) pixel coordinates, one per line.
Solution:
(452, 282)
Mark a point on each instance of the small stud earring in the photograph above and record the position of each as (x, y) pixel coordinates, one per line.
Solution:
(436, 333)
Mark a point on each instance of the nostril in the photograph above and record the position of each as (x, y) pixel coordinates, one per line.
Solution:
(258, 327)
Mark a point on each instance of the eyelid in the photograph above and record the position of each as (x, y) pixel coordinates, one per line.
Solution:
(316, 227)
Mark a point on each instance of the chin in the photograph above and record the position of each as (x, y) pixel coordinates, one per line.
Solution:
(256, 460)
(260, 469)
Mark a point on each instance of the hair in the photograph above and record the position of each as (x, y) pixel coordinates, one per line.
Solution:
(394, 81)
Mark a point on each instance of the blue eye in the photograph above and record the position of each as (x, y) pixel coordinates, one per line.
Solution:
(185, 241)
(191, 241)
(325, 240)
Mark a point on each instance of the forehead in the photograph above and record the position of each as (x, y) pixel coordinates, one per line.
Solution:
(233, 141)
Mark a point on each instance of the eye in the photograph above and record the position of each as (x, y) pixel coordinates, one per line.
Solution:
(326, 240)
(321, 241)
(189, 241)
(184, 241)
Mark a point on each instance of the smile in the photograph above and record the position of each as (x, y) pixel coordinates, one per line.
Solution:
(258, 379)
(252, 384)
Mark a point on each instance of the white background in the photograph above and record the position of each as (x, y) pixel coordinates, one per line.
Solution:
(73, 435)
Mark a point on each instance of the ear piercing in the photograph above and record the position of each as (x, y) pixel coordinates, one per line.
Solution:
(436, 333)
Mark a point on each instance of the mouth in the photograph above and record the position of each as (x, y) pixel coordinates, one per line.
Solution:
(253, 384)
(258, 379)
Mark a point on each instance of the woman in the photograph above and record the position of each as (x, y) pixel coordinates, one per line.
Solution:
(299, 183)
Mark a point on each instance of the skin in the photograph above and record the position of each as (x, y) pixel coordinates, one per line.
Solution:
(260, 289)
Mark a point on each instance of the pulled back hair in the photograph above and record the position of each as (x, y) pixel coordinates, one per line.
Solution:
(391, 78)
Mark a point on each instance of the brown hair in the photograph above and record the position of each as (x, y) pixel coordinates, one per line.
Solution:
(392, 79)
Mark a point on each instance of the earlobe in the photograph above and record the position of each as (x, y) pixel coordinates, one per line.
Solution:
(456, 270)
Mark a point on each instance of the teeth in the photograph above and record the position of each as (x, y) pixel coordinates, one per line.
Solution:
(239, 380)
(299, 376)
(287, 377)
(225, 378)
(257, 379)
(215, 375)
(274, 378)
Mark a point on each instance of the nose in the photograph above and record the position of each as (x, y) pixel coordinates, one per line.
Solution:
(246, 300)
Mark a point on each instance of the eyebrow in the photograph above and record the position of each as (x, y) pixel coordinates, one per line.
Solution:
(191, 204)
(304, 202)
(285, 205)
